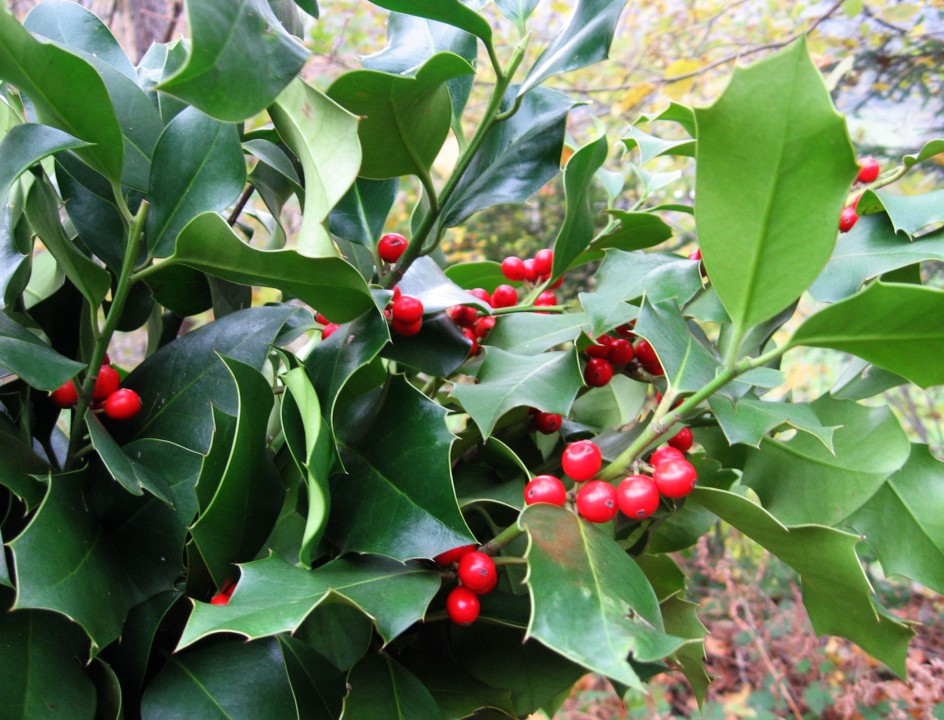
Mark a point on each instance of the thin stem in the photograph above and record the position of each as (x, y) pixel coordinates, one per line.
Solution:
(530, 308)
(505, 537)
(509, 560)
(878, 183)
(240, 204)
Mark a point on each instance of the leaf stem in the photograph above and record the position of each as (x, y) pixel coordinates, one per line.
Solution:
(505, 537)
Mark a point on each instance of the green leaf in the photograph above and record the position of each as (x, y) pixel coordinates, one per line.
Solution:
(911, 213)
(235, 45)
(485, 274)
(457, 693)
(231, 679)
(577, 230)
(530, 333)
(398, 466)
(450, 12)
(617, 403)
(405, 119)
(207, 243)
(801, 481)
(246, 501)
(340, 632)
(636, 231)
(910, 336)
(318, 687)
(836, 592)
(517, 10)
(180, 382)
(66, 92)
(749, 419)
(862, 380)
(273, 597)
(590, 601)
(651, 147)
(547, 381)
(42, 211)
(28, 357)
(688, 362)
(197, 167)
(425, 280)
(901, 522)
(766, 240)
(928, 150)
(133, 477)
(585, 40)
(381, 688)
(82, 579)
(323, 137)
(438, 350)
(20, 469)
(5, 579)
(681, 619)
(42, 656)
(359, 216)
(517, 158)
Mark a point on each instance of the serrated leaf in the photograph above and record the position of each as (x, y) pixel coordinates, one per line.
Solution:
(749, 419)
(239, 45)
(426, 280)
(323, 137)
(439, 349)
(651, 147)
(636, 231)
(398, 467)
(688, 363)
(548, 381)
(801, 166)
(681, 619)
(405, 119)
(133, 477)
(451, 12)
(801, 481)
(28, 357)
(318, 687)
(381, 688)
(901, 522)
(928, 150)
(198, 166)
(517, 158)
(590, 601)
(340, 631)
(529, 333)
(273, 597)
(910, 342)
(208, 243)
(585, 40)
(836, 592)
(231, 679)
(910, 213)
(66, 92)
(616, 404)
(457, 693)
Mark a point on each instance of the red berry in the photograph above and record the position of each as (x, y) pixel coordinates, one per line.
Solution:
(106, 383)
(321, 319)
(220, 598)
(391, 246)
(557, 283)
(65, 395)
(682, 440)
(546, 299)
(637, 496)
(513, 268)
(601, 349)
(462, 605)
(598, 372)
(868, 170)
(847, 218)
(451, 556)
(397, 293)
(473, 338)
(621, 351)
(406, 329)
(463, 315)
(483, 326)
(504, 296)
(582, 460)
(596, 501)
(665, 453)
(545, 489)
(328, 330)
(626, 331)
(123, 404)
(695, 254)
(648, 359)
(543, 261)
(547, 423)
(407, 309)
(530, 273)
(477, 572)
(481, 294)
(675, 478)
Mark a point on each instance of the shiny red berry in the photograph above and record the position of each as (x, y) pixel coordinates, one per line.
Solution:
(648, 359)
(406, 329)
(513, 268)
(637, 496)
(597, 372)
(682, 440)
(123, 404)
(596, 501)
(106, 383)
(621, 351)
(675, 478)
(483, 326)
(407, 309)
(626, 330)
(543, 261)
(868, 170)
(462, 606)
(65, 395)
(582, 460)
(530, 273)
(482, 294)
(391, 246)
(463, 315)
(220, 598)
(601, 348)
(665, 453)
(329, 330)
(504, 296)
(847, 219)
(454, 555)
(545, 489)
(477, 572)
(546, 299)
(472, 338)
(547, 423)
(557, 283)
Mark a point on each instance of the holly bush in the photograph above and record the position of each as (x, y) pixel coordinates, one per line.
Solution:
(272, 515)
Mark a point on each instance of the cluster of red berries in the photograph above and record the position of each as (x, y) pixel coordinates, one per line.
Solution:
(610, 353)
(868, 171)
(477, 576)
(225, 593)
(475, 325)
(532, 270)
(118, 403)
(404, 312)
(637, 496)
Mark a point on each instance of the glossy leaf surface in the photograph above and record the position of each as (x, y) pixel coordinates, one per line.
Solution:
(382, 688)
(451, 12)
(748, 419)
(25, 355)
(689, 364)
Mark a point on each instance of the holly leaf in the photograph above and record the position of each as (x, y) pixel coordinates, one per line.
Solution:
(800, 174)
(20, 469)
(908, 213)
(910, 343)
(590, 601)
(617, 403)
(450, 12)
(530, 333)
(235, 45)
(548, 381)
(439, 349)
(397, 455)
(636, 231)
(317, 685)
(359, 216)
(749, 419)
(131, 475)
(28, 357)
(651, 147)
(274, 597)
(381, 688)
(836, 592)
(426, 280)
